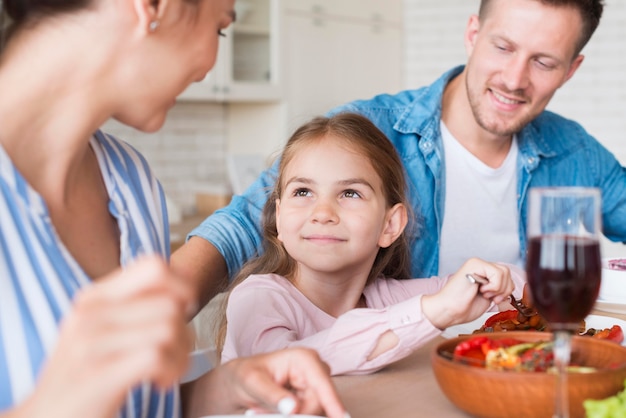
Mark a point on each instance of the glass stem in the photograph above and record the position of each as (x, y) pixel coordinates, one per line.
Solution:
(562, 352)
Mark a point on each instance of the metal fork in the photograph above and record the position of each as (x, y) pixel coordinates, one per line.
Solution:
(521, 308)
(517, 304)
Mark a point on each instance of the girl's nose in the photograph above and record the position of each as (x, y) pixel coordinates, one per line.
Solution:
(324, 212)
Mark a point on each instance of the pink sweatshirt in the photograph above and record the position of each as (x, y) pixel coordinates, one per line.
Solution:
(267, 313)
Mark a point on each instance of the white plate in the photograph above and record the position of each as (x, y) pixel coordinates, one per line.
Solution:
(592, 321)
(200, 362)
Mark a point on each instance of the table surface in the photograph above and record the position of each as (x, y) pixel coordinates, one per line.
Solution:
(407, 388)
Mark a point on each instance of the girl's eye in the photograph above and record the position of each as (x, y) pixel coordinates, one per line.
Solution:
(221, 33)
(353, 194)
(301, 193)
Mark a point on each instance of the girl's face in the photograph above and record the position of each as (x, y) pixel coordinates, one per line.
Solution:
(332, 215)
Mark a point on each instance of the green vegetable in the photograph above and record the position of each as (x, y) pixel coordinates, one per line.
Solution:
(612, 407)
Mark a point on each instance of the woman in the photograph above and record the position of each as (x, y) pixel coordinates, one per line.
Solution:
(85, 328)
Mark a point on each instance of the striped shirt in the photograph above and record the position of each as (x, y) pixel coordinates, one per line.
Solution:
(39, 277)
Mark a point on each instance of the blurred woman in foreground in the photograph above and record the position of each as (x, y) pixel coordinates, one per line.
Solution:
(92, 319)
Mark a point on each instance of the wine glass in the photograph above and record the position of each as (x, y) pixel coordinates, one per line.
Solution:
(563, 267)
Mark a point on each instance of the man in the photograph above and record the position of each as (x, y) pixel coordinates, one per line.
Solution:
(472, 144)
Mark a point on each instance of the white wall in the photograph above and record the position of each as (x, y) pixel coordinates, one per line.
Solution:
(188, 154)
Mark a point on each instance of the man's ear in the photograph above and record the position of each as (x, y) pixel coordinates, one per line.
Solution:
(471, 32)
(395, 222)
(575, 65)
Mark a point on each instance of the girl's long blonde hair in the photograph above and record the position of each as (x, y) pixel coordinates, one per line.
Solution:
(362, 136)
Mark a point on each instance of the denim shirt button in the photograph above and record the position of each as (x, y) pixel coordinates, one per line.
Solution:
(531, 160)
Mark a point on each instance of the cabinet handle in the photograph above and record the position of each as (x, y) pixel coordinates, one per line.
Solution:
(377, 22)
(317, 12)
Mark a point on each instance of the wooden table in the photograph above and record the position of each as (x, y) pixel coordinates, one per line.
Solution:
(405, 389)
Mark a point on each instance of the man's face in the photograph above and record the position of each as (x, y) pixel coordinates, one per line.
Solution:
(519, 55)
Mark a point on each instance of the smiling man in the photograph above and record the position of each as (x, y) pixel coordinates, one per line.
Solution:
(472, 144)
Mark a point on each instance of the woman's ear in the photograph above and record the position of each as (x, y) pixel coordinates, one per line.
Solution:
(150, 13)
(395, 222)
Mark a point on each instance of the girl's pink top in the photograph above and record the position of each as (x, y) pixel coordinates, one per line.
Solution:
(267, 313)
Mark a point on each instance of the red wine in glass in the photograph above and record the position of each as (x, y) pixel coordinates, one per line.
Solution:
(563, 274)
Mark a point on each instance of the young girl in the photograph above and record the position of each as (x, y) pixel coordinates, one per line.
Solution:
(335, 249)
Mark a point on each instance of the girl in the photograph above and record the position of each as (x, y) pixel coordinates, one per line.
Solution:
(330, 277)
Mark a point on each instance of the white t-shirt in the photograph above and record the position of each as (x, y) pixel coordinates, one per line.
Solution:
(480, 217)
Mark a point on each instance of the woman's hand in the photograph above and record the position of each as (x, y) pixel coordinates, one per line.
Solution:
(294, 376)
(127, 328)
(461, 301)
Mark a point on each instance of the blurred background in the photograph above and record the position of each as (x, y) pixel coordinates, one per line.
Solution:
(285, 61)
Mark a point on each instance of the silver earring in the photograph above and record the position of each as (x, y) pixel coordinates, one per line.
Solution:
(154, 24)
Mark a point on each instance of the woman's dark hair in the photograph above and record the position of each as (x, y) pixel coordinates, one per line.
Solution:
(361, 135)
(16, 14)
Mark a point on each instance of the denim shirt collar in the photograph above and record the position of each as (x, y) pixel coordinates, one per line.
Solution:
(423, 115)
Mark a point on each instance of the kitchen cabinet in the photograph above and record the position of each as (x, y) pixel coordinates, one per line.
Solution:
(248, 62)
(338, 51)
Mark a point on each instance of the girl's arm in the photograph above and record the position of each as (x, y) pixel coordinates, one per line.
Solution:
(264, 318)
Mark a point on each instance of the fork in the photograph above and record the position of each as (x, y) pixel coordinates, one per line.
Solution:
(517, 304)
(522, 308)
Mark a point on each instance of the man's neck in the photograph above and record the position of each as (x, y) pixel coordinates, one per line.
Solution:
(458, 117)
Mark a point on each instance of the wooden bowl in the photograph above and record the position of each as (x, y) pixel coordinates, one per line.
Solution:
(503, 394)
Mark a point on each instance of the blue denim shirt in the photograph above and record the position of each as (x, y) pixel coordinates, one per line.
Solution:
(553, 151)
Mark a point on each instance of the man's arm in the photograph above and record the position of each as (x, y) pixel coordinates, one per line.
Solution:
(217, 248)
(204, 266)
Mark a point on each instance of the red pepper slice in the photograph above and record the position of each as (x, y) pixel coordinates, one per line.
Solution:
(500, 317)
(469, 344)
(471, 350)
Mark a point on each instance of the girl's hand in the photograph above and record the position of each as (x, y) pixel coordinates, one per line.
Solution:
(461, 301)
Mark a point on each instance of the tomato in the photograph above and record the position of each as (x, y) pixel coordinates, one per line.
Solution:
(614, 334)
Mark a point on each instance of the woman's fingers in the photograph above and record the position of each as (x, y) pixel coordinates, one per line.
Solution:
(276, 381)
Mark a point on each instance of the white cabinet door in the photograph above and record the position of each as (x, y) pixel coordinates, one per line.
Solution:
(248, 63)
(333, 58)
